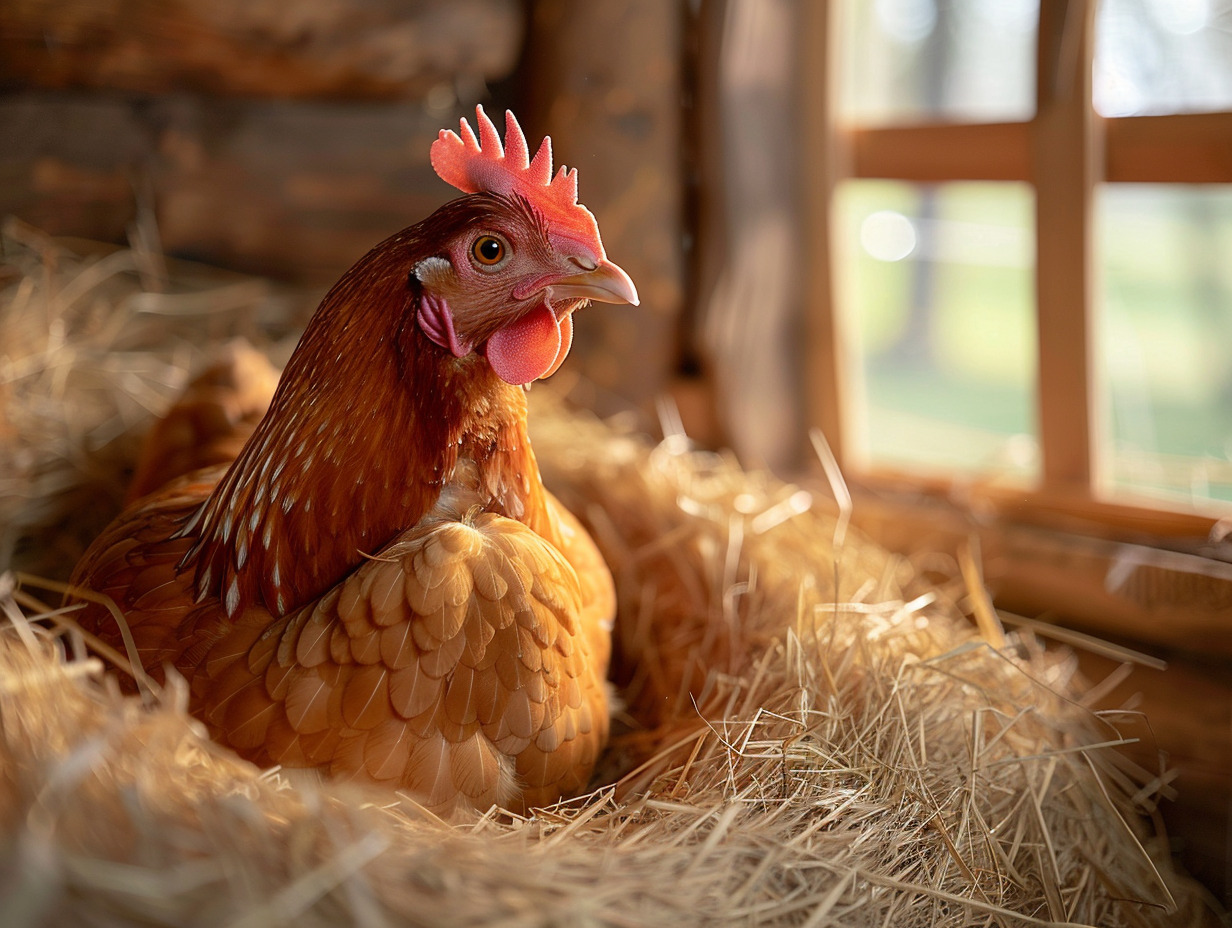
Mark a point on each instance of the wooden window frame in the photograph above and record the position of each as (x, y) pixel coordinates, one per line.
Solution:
(1061, 527)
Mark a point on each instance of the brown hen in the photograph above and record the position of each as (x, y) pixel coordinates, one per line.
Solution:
(379, 585)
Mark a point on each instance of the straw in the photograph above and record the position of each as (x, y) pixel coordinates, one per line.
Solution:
(810, 734)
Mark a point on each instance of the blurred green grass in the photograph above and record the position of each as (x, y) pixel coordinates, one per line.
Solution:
(946, 335)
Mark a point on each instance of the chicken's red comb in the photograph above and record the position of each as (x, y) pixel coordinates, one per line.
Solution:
(484, 165)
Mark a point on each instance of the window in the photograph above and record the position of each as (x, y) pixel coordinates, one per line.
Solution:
(912, 60)
(1020, 290)
(1164, 330)
(1163, 56)
(937, 282)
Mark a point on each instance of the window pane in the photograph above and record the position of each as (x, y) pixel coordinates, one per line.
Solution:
(1165, 339)
(1163, 56)
(921, 59)
(940, 285)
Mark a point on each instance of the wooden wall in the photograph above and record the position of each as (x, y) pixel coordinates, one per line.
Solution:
(311, 49)
(287, 139)
(279, 142)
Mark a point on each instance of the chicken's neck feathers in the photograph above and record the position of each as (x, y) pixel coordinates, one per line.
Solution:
(358, 443)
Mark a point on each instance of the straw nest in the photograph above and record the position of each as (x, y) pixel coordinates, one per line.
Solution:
(811, 735)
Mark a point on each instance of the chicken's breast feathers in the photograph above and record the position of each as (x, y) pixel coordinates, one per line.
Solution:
(458, 663)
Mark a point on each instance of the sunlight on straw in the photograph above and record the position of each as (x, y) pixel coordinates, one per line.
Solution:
(149, 688)
(285, 905)
(798, 503)
(838, 486)
(981, 603)
(1087, 642)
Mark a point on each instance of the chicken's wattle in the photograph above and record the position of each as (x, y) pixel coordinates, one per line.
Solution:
(531, 347)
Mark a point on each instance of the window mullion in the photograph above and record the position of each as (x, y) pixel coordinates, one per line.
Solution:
(822, 166)
(1180, 148)
(1066, 150)
(933, 153)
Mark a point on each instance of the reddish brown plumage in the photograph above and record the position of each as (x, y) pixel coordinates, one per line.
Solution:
(334, 417)
(379, 585)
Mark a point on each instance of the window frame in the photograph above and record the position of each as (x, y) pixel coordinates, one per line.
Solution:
(1064, 151)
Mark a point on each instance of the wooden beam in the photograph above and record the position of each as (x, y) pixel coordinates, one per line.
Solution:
(695, 388)
(941, 152)
(823, 164)
(1065, 152)
(604, 80)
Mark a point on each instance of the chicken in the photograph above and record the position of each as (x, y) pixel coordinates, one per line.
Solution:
(379, 585)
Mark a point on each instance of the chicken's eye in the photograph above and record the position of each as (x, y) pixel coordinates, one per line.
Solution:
(488, 251)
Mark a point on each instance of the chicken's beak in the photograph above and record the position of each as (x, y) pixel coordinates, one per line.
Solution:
(606, 282)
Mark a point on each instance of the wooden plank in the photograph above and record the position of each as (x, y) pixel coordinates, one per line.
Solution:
(1164, 599)
(1190, 148)
(381, 49)
(1167, 599)
(1176, 529)
(293, 190)
(754, 349)
(943, 151)
(68, 169)
(827, 163)
(604, 80)
(754, 315)
(1065, 152)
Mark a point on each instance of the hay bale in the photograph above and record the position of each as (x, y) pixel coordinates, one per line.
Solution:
(811, 735)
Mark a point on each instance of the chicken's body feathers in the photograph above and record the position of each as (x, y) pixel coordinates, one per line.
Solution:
(464, 661)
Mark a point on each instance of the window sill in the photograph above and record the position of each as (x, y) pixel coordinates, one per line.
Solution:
(1153, 576)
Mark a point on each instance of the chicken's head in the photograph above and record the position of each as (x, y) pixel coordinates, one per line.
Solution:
(520, 254)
